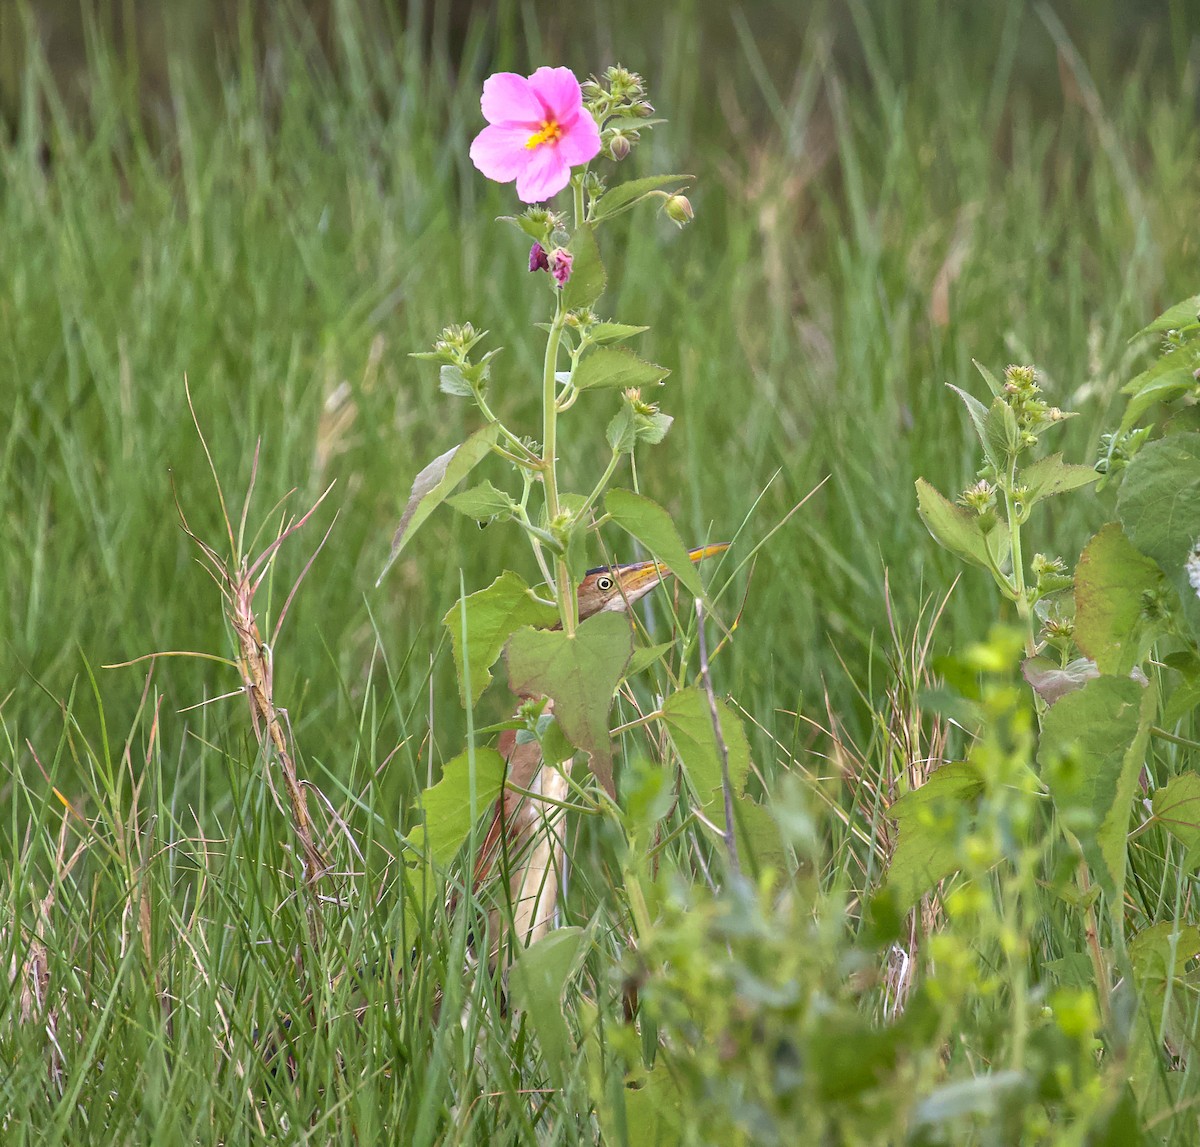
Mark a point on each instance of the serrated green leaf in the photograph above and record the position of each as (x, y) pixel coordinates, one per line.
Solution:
(930, 822)
(1001, 433)
(957, 529)
(536, 982)
(652, 526)
(621, 198)
(1091, 752)
(1171, 377)
(616, 367)
(1111, 581)
(493, 615)
(580, 673)
(588, 277)
(1177, 807)
(1051, 475)
(652, 428)
(688, 719)
(433, 484)
(535, 231)
(451, 380)
(483, 502)
(446, 807)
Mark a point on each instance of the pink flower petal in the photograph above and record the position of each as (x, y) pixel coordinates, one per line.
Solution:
(581, 142)
(510, 99)
(546, 174)
(558, 91)
(500, 152)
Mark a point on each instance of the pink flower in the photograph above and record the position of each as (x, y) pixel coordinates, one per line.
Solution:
(538, 129)
(537, 258)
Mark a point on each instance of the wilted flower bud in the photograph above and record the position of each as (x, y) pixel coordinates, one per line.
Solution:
(560, 262)
(537, 258)
(679, 210)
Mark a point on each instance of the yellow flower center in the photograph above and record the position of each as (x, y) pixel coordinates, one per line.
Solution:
(547, 133)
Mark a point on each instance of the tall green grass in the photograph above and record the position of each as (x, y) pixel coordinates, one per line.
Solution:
(880, 197)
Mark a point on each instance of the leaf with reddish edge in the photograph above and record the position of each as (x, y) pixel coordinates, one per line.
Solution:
(432, 485)
(581, 673)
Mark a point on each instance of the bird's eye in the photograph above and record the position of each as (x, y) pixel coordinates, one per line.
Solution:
(604, 584)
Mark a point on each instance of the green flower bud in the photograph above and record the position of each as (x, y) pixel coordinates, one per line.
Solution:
(679, 210)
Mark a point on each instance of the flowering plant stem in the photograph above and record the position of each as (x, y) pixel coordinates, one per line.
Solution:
(564, 592)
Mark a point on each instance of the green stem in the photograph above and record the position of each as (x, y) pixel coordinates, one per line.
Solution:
(577, 192)
(1024, 611)
(610, 469)
(526, 456)
(563, 592)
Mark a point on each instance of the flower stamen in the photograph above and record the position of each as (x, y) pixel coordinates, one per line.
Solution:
(549, 132)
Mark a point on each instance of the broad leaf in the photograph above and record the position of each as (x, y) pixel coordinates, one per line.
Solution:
(930, 822)
(1002, 436)
(1159, 500)
(588, 278)
(1171, 377)
(615, 367)
(994, 385)
(1049, 476)
(434, 483)
(1177, 808)
(536, 983)
(493, 616)
(652, 526)
(646, 655)
(958, 529)
(1112, 580)
(447, 805)
(452, 381)
(580, 673)
(689, 721)
(622, 197)
(1092, 749)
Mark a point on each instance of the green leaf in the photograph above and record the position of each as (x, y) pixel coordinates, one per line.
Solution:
(1092, 748)
(588, 278)
(536, 984)
(493, 614)
(616, 367)
(622, 430)
(447, 805)
(652, 526)
(758, 836)
(1049, 476)
(1111, 581)
(1171, 377)
(1182, 314)
(434, 483)
(929, 823)
(600, 333)
(957, 529)
(580, 673)
(483, 503)
(622, 197)
(646, 655)
(1159, 503)
(689, 721)
(535, 230)
(994, 385)
(1001, 433)
(1177, 808)
(979, 417)
(451, 380)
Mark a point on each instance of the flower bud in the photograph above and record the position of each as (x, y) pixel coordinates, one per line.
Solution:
(618, 146)
(537, 258)
(679, 210)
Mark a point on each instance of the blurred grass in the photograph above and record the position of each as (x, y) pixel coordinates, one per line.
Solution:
(877, 205)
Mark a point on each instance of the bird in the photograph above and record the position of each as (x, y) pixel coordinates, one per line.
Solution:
(527, 830)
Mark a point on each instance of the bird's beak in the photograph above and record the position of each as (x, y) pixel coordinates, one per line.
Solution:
(639, 578)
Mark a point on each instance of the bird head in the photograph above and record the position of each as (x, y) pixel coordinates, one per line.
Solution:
(618, 587)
